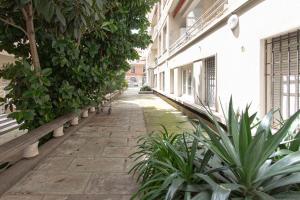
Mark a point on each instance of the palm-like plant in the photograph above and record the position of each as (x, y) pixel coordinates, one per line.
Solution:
(171, 167)
(257, 168)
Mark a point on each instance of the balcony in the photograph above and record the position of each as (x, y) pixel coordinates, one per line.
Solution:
(212, 13)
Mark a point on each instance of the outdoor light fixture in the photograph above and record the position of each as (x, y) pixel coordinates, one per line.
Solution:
(233, 21)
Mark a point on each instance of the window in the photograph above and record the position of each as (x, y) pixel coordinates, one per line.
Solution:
(184, 81)
(132, 70)
(164, 38)
(282, 74)
(210, 82)
(187, 81)
(162, 81)
(159, 45)
(155, 81)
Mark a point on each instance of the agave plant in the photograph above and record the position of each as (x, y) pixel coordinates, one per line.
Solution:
(171, 167)
(258, 168)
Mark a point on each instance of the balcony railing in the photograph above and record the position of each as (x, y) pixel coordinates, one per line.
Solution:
(215, 11)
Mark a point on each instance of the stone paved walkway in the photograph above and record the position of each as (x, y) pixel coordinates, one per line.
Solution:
(93, 163)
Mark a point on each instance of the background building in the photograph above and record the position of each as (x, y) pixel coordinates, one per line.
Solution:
(136, 76)
(206, 50)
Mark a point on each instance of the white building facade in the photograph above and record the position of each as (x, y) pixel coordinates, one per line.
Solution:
(207, 50)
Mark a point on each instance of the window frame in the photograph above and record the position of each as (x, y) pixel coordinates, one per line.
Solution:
(208, 82)
(275, 62)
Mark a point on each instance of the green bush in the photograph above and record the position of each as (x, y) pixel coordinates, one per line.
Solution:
(258, 168)
(29, 93)
(244, 160)
(146, 88)
(68, 60)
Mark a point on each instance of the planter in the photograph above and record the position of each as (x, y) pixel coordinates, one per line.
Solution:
(58, 132)
(92, 109)
(85, 113)
(31, 151)
(74, 121)
(145, 92)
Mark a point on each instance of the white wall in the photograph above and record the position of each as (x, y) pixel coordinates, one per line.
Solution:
(239, 53)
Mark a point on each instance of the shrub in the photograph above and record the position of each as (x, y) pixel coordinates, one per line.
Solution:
(243, 160)
(170, 166)
(259, 168)
(146, 88)
(67, 60)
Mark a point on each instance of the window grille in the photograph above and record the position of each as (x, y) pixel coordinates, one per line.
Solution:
(210, 66)
(282, 73)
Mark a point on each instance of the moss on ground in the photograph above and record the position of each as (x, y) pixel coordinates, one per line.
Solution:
(172, 119)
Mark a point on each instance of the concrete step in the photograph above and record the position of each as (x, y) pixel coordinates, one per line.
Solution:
(3, 116)
(7, 124)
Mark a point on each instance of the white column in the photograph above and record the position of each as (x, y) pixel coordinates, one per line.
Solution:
(167, 81)
(177, 82)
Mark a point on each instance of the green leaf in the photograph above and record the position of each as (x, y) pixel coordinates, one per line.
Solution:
(47, 71)
(174, 187)
(288, 180)
(202, 196)
(60, 16)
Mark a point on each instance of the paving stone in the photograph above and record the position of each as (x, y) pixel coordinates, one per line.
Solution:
(120, 134)
(117, 152)
(111, 184)
(55, 164)
(43, 183)
(99, 197)
(98, 165)
(70, 146)
(56, 197)
(113, 142)
(22, 197)
(132, 142)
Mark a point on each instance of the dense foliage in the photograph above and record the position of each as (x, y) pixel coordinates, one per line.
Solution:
(244, 160)
(69, 53)
(146, 88)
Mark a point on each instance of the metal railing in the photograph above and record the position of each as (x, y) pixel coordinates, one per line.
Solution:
(215, 11)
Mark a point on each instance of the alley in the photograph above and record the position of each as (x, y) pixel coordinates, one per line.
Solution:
(93, 163)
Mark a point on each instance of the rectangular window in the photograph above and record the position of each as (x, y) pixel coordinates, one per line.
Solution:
(163, 81)
(184, 81)
(282, 74)
(164, 38)
(210, 81)
(189, 81)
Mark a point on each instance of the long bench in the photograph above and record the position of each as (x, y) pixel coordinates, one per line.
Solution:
(16, 145)
(13, 148)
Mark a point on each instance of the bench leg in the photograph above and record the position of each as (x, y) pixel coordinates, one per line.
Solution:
(31, 151)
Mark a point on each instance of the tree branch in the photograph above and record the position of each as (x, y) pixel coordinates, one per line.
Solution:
(13, 24)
